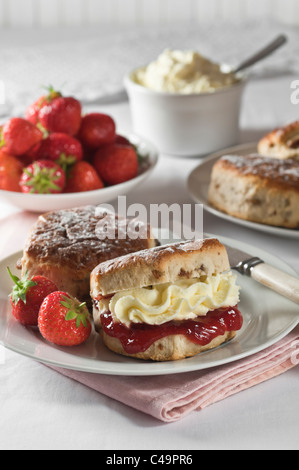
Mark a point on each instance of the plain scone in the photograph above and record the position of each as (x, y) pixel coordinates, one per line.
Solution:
(256, 188)
(164, 264)
(281, 143)
(66, 245)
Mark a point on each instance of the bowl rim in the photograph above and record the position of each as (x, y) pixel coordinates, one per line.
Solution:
(129, 82)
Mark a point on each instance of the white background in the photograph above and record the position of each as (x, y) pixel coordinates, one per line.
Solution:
(84, 12)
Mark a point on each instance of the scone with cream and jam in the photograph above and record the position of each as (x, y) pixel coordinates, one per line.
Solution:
(167, 303)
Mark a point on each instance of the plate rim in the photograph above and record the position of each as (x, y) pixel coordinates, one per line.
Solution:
(142, 368)
(270, 229)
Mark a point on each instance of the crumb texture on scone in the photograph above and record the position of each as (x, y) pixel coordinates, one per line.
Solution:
(168, 340)
(256, 188)
(167, 263)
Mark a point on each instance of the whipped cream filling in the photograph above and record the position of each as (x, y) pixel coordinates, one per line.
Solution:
(186, 299)
(183, 72)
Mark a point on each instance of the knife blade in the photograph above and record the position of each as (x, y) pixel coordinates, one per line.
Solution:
(262, 272)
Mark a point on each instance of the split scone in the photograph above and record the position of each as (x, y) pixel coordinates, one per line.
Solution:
(168, 302)
(258, 189)
(66, 245)
(281, 143)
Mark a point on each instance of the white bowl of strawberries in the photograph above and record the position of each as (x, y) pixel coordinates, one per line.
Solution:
(55, 157)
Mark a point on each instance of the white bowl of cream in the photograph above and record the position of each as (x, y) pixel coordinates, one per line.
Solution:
(186, 104)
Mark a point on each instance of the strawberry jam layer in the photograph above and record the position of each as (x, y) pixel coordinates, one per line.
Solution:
(140, 336)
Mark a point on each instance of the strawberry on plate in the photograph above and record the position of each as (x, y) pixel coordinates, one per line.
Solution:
(11, 170)
(64, 320)
(96, 129)
(43, 177)
(83, 177)
(27, 296)
(62, 148)
(116, 163)
(61, 114)
(19, 136)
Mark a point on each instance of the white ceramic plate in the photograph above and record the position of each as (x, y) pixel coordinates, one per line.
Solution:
(198, 185)
(268, 317)
(48, 202)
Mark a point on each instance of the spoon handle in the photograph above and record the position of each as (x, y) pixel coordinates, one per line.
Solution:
(278, 42)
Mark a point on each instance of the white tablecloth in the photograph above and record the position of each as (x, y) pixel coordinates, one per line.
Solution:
(40, 409)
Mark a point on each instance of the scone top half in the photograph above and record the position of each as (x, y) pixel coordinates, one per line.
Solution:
(171, 282)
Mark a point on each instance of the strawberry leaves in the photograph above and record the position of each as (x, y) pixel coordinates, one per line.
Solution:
(43, 177)
(41, 180)
(20, 288)
(75, 311)
(52, 93)
(66, 161)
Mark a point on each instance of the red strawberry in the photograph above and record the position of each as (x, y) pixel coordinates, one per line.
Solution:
(62, 114)
(11, 170)
(116, 163)
(32, 112)
(62, 148)
(96, 129)
(27, 296)
(83, 177)
(31, 155)
(121, 140)
(63, 320)
(19, 136)
(43, 177)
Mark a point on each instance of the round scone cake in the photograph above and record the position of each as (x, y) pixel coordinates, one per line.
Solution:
(256, 188)
(167, 303)
(66, 245)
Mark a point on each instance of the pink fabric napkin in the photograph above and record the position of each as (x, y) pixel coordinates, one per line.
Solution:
(170, 398)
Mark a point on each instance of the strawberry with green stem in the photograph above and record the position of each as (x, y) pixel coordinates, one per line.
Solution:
(18, 136)
(27, 296)
(32, 112)
(62, 114)
(54, 112)
(63, 320)
(61, 148)
(43, 177)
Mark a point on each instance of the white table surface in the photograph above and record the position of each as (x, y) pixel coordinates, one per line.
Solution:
(40, 409)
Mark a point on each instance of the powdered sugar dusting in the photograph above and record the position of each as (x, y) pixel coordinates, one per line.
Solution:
(284, 172)
(75, 238)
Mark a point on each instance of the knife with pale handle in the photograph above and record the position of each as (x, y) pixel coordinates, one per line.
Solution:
(264, 273)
